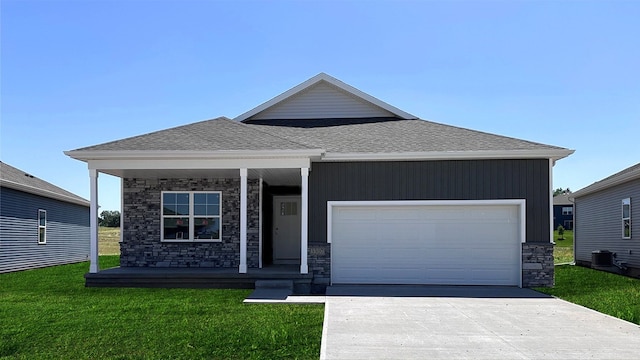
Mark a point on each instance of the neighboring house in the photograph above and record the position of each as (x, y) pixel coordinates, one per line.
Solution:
(563, 211)
(348, 188)
(608, 219)
(40, 224)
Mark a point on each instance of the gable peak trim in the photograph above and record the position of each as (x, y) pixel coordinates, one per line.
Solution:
(323, 77)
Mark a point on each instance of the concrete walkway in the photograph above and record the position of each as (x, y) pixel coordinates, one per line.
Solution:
(461, 322)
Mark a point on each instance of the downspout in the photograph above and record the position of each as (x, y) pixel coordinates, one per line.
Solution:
(575, 228)
(551, 201)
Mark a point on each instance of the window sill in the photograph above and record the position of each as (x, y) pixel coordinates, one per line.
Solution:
(191, 241)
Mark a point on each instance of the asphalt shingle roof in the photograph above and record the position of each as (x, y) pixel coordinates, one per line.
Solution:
(390, 136)
(10, 175)
(400, 136)
(628, 174)
(209, 135)
(562, 199)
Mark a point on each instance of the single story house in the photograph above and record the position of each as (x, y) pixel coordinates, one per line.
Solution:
(563, 211)
(40, 224)
(341, 185)
(604, 222)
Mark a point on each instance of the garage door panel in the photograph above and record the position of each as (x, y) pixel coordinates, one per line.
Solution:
(426, 244)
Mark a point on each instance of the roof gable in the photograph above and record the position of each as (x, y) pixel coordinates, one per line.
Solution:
(17, 179)
(323, 97)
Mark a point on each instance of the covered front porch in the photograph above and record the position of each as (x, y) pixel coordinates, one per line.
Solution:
(210, 278)
(237, 254)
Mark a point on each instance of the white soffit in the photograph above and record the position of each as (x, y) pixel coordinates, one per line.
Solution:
(350, 95)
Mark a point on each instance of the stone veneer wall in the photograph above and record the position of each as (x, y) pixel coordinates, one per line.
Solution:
(141, 246)
(537, 265)
(319, 261)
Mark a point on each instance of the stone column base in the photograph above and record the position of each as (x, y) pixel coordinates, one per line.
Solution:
(537, 265)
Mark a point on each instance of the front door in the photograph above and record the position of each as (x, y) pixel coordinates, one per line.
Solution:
(286, 229)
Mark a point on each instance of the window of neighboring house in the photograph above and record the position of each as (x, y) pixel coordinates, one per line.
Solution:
(191, 216)
(568, 224)
(42, 226)
(626, 218)
(567, 210)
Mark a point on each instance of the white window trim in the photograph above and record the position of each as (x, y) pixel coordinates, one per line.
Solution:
(191, 217)
(40, 211)
(567, 210)
(626, 201)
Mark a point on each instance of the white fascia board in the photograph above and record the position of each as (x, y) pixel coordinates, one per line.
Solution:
(333, 81)
(43, 193)
(604, 184)
(176, 155)
(199, 164)
(450, 155)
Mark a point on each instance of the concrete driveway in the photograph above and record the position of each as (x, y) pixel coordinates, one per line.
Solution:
(467, 322)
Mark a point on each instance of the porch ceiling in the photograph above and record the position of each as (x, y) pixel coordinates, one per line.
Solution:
(285, 177)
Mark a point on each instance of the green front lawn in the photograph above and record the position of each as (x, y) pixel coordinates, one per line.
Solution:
(566, 240)
(608, 293)
(563, 251)
(48, 313)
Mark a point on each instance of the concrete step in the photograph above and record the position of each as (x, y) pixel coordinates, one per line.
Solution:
(274, 284)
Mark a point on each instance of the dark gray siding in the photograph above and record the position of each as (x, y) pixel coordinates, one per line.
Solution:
(432, 180)
(67, 231)
(598, 223)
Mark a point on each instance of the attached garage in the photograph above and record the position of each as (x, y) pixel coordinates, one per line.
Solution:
(426, 242)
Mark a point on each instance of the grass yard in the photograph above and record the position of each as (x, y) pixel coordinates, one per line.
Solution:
(109, 240)
(563, 251)
(48, 313)
(608, 293)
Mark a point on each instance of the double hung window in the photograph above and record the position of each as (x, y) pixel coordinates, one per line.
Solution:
(626, 218)
(191, 216)
(42, 226)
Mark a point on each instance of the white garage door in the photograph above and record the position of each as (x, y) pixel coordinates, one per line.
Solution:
(457, 244)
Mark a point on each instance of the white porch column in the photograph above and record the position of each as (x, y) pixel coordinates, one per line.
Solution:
(243, 221)
(260, 226)
(304, 268)
(93, 221)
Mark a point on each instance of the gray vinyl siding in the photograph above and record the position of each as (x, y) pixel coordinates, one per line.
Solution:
(67, 231)
(322, 101)
(598, 223)
(432, 180)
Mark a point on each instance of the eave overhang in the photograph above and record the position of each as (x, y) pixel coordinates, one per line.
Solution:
(43, 193)
(554, 154)
(184, 155)
(607, 183)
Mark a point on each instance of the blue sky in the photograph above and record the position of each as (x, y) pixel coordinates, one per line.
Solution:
(78, 73)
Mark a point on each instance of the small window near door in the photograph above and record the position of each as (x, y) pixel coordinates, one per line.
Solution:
(42, 226)
(626, 218)
(288, 208)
